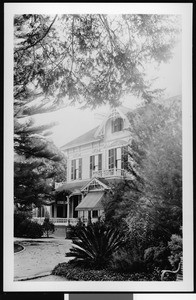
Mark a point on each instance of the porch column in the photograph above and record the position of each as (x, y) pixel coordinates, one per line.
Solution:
(68, 214)
(55, 210)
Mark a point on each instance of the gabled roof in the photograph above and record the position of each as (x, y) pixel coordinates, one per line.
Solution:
(87, 137)
(91, 135)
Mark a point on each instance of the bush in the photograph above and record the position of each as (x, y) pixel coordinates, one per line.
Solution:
(95, 245)
(73, 231)
(34, 230)
(72, 271)
(24, 227)
(175, 246)
(125, 262)
(157, 257)
(19, 217)
(47, 226)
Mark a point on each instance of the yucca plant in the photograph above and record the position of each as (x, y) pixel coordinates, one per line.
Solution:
(95, 245)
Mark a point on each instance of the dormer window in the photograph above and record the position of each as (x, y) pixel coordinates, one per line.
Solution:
(117, 125)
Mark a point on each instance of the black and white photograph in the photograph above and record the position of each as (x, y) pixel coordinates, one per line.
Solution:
(98, 147)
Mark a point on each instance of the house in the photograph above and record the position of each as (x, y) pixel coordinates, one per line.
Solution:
(95, 160)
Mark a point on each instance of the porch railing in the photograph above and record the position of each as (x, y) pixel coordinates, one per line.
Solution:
(109, 173)
(56, 221)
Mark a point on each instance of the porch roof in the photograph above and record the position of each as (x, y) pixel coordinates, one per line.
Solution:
(72, 186)
(92, 201)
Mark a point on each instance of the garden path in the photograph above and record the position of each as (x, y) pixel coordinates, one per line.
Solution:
(39, 257)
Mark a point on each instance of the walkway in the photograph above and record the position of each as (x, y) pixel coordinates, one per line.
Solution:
(39, 257)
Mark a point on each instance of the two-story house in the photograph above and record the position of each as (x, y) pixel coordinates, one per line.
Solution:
(94, 161)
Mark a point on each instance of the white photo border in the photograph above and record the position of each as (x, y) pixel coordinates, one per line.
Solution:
(184, 9)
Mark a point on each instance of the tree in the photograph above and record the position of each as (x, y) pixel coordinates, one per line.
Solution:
(157, 156)
(92, 59)
(151, 204)
(38, 162)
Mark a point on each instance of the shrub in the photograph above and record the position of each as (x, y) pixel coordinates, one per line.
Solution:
(47, 226)
(73, 230)
(20, 217)
(71, 271)
(157, 257)
(33, 230)
(24, 227)
(175, 246)
(95, 245)
(122, 261)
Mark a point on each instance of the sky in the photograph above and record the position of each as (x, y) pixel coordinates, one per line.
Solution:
(73, 122)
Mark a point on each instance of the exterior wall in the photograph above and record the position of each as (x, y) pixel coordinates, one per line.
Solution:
(109, 141)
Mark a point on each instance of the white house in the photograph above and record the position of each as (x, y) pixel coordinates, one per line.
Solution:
(94, 161)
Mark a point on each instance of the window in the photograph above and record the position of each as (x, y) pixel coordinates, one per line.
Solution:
(76, 169)
(95, 163)
(118, 158)
(117, 125)
(112, 159)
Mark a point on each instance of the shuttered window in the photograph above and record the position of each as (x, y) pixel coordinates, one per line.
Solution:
(95, 163)
(76, 169)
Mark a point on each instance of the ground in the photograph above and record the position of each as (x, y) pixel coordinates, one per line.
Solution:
(39, 257)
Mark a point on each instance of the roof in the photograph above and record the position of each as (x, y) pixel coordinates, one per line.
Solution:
(77, 186)
(91, 201)
(82, 139)
(89, 136)
(71, 186)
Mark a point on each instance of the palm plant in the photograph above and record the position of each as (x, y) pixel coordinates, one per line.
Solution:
(95, 245)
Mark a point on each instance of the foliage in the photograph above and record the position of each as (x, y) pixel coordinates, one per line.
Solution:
(19, 217)
(17, 248)
(47, 226)
(25, 227)
(74, 230)
(148, 209)
(157, 257)
(59, 60)
(38, 162)
(119, 202)
(93, 57)
(123, 262)
(95, 245)
(157, 160)
(73, 272)
(175, 246)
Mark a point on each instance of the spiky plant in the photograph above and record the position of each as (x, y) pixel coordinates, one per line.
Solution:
(95, 245)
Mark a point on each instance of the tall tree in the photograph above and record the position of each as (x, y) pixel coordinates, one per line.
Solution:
(151, 204)
(92, 59)
(38, 162)
(157, 153)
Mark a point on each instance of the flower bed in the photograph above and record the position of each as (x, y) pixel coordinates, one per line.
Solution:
(76, 273)
(17, 248)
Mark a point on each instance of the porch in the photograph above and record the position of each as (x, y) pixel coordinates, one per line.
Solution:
(107, 173)
(64, 221)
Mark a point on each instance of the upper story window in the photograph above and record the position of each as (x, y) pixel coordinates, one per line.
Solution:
(118, 158)
(95, 163)
(117, 125)
(76, 169)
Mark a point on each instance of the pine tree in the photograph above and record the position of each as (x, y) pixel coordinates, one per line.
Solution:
(37, 164)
